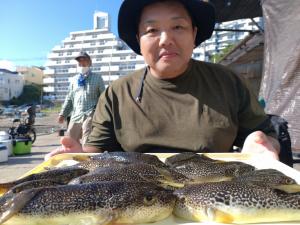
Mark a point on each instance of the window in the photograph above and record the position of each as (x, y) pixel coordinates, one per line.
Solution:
(98, 59)
(131, 67)
(94, 36)
(67, 61)
(132, 57)
(69, 53)
(93, 43)
(100, 22)
(96, 68)
(122, 57)
(61, 71)
(61, 54)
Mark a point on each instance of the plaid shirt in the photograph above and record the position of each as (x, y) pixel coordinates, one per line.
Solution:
(82, 100)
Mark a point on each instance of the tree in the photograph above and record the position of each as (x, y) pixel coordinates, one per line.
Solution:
(218, 56)
(31, 94)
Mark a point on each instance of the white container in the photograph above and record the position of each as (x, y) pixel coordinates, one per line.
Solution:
(4, 135)
(7, 141)
(8, 144)
(3, 153)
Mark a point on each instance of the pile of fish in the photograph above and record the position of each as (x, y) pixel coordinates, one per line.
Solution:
(133, 188)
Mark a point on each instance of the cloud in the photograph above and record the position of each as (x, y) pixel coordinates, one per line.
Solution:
(5, 64)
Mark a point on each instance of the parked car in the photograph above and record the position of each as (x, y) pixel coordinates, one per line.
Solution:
(8, 112)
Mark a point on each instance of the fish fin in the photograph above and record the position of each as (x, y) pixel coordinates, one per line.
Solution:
(217, 215)
(288, 188)
(47, 168)
(81, 158)
(108, 220)
(166, 184)
(107, 217)
(16, 203)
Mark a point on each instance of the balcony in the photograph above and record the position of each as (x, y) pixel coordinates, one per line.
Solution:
(49, 72)
(57, 47)
(110, 77)
(48, 80)
(48, 89)
(73, 70)
(109, 68)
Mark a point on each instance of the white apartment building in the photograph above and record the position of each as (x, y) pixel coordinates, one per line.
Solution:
(11, 84)
(110, 56)
(220, 39)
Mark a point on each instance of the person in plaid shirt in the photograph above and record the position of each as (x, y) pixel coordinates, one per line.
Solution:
(81, 100)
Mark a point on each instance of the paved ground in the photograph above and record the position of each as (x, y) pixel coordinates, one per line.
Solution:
(19, 165)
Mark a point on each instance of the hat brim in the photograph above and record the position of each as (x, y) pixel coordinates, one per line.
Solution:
(82, 56)
(202, 13)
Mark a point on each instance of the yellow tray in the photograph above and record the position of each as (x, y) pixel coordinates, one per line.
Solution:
(258, 161)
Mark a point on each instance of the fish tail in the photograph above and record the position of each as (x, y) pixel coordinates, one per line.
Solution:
(16, 203)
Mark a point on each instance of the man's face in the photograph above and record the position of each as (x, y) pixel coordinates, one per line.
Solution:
(84, 62)
(166, 38)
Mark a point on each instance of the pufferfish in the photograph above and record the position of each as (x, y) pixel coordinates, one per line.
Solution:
(236, 202)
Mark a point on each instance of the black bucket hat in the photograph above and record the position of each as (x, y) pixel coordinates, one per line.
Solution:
(202, 14)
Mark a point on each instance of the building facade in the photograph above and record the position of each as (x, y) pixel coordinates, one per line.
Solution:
(31, 75)
(111, 58)
(11, 84)
(224, 37)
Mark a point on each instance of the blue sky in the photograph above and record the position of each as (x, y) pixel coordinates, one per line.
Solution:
(29, 29)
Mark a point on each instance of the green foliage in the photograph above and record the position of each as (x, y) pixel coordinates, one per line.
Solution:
(55, 109)
(31, 94)
(217, 57)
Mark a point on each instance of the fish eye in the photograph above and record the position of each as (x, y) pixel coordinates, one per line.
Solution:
(289, 181)
(149, 199)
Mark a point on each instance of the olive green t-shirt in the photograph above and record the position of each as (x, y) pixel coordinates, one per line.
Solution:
(205, 109)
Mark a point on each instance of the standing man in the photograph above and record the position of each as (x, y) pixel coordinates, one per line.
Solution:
(175, 103)
(84, 91)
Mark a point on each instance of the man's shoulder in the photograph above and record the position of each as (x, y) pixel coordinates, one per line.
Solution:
(131, 79)
(95, 76)
(213, 71)
(213, 67)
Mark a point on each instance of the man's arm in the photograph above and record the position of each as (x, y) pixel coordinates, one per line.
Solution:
(68, 103)
(101, 85)
(102, 136)
(256, 133)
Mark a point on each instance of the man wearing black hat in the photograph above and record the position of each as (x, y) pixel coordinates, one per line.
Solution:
(176, 103)
(84, 91)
